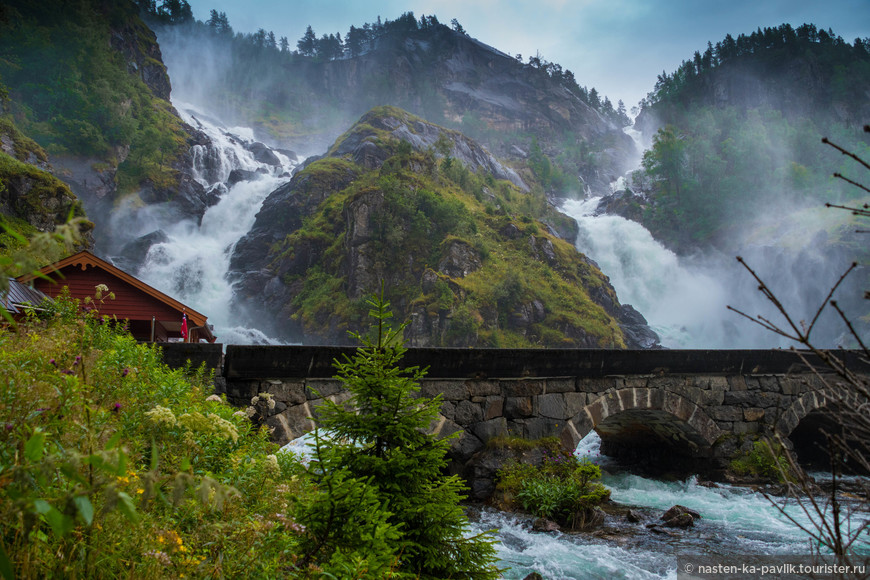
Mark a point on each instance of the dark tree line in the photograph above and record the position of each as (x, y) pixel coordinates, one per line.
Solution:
(359, 40)
(168, 12)
(771, 44)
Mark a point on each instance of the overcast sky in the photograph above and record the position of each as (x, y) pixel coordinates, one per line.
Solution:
(616, 46)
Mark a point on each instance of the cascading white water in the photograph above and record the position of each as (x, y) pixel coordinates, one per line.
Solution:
(687, 308)
(192, 264)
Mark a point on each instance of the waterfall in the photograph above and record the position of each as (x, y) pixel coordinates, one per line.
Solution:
(192, 263)
(686, 307)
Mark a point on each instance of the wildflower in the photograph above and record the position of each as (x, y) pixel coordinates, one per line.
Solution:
(9, 426)
(52, 362)
(160, 415)
(214, 398)
(78, 359)
(250, 412)
(161, 557)
(139, 491)
(125, 372)
(255, 400)
(272, 467)
(67, 372)
(240, 414)
(117, 407)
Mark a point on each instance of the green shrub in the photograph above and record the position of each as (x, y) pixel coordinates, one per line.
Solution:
(761, 462)
(563, 488)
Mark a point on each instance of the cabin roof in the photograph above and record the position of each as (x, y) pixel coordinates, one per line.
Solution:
(84, 260)
(19, 296)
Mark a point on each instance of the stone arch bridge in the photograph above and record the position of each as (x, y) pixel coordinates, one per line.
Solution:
(677, 403)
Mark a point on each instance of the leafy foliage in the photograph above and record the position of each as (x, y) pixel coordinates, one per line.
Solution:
(114, 465)
(375, 464)
(563, 488)
(73, 93)
(730, 146)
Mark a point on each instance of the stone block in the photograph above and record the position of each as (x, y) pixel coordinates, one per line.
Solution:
(486, 430)
(737, 383)
(725, 413)
(753, 414)
(637, 382)
(493, 408)
(574, 403)
(449, 390)
(741, 398)
(741, 428)
(541, 427)
(518, 407)
(448, 409)
(483, 388)
(468, 413)
(553, 406)
(464, 446)
(318, 389)
(792, 385)
(595, 385)
(296, 420)
(290, 392)
(522, 387)
(560, 385)
(597, 411)
(516, 428)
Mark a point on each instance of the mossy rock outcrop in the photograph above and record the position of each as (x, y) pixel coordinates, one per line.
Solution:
(459, 240)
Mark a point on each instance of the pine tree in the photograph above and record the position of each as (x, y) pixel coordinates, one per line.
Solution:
(380, 435)
(307, 45)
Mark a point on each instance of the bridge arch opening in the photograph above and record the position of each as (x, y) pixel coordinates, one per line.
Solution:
(809, 442)
(653, 441)
(652, 430)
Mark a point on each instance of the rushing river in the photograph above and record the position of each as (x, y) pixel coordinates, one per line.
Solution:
(734, 521)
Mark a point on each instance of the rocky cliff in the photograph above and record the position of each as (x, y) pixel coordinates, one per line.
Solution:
(443, 76)
(31, 199)
(98, 101)
(445, 226)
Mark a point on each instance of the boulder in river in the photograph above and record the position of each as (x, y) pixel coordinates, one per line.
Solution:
(680, 516)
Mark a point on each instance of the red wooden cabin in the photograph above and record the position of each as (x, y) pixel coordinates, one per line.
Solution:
(152, 315)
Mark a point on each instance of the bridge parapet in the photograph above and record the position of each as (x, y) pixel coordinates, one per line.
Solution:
(693, 404)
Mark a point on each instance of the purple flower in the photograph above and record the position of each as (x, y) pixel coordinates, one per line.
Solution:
(67, 372)
(125, 372)
(78, 360)
(52, 362)
(9, 426)
(117, 407)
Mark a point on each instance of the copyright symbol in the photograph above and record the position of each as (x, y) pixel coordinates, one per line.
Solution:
(689, 568)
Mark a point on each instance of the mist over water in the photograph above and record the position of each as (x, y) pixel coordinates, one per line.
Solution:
(685, 299)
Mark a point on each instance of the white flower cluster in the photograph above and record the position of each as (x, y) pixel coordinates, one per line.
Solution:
(162, 416)
(214, 398)
(272, 467)
(267, 398)
(214, 424)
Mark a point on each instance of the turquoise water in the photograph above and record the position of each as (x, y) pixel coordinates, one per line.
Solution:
(734, 521)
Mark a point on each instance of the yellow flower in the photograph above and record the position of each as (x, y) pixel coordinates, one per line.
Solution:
(140, 491)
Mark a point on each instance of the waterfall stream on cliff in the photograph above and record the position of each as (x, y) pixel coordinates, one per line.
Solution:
(191, 265)
(686, 307)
